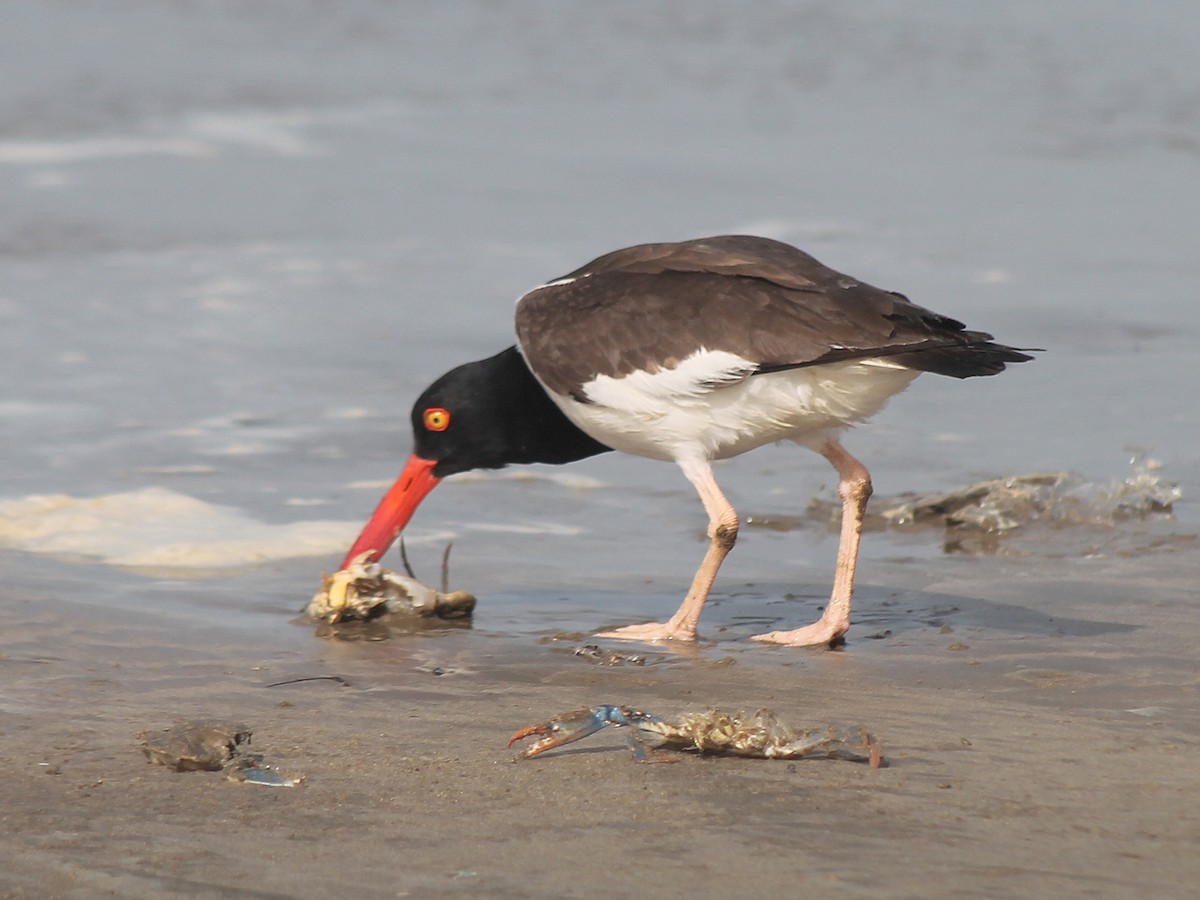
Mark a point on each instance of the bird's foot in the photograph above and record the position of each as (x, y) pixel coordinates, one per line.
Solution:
(652, 631)
(818, 634)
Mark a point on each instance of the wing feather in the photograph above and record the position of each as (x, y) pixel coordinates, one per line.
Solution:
(647, 308)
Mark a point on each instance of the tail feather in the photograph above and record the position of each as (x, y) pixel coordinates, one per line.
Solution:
(977, 355)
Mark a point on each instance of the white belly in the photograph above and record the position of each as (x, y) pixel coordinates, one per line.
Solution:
(659, 416)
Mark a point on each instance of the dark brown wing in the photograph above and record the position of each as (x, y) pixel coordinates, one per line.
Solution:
(650, 306)
(729, 254)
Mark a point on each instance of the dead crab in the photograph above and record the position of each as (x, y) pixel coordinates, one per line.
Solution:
(760, 736)
(213, 745)
(366, 590)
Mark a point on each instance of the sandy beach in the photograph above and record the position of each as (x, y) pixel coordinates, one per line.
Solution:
(1026, 754)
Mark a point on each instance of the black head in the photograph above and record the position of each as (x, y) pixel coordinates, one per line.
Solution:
(493, 413)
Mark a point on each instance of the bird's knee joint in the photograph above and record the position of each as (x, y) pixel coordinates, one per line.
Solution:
(856, 491)
(725, 535)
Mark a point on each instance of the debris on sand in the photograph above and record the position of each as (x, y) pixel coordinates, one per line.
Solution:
(251, 770)
(212, 745)
(996, 505)
(597, 654)
(1056, 498)
(204, 745)
(1056, 513)
(365, 590)
(759, 736)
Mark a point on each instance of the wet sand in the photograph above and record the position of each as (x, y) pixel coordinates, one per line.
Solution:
(1027, 754)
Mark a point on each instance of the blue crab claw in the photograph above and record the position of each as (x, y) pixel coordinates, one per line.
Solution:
(566, 728)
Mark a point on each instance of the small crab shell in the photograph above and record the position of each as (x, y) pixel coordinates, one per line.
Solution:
(364, 590)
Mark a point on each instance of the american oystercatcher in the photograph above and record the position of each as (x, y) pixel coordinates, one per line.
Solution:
(688, 352)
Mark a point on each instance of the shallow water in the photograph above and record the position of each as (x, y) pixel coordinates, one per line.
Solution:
(228, 266)
(235, 245)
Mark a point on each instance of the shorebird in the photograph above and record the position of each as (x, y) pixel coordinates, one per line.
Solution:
(688, 352)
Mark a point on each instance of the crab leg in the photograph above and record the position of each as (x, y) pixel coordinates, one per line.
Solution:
(855, 744)
(567, 728)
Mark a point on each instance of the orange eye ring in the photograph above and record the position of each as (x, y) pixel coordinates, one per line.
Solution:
(437, 419)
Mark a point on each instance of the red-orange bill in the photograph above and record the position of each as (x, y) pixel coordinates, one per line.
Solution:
(395, 509)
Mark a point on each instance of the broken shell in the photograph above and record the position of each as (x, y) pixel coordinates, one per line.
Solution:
(365, 590)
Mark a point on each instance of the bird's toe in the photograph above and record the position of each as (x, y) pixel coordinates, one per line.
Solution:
(819, 634)
(651, 631)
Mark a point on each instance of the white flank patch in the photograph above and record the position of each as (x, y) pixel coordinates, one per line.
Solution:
(677, 414)
(696, 375)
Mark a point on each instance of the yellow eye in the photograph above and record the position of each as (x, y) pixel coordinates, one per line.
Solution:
(437, 419)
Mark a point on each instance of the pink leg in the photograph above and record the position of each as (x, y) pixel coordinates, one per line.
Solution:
(722, 533)
(854, 488)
